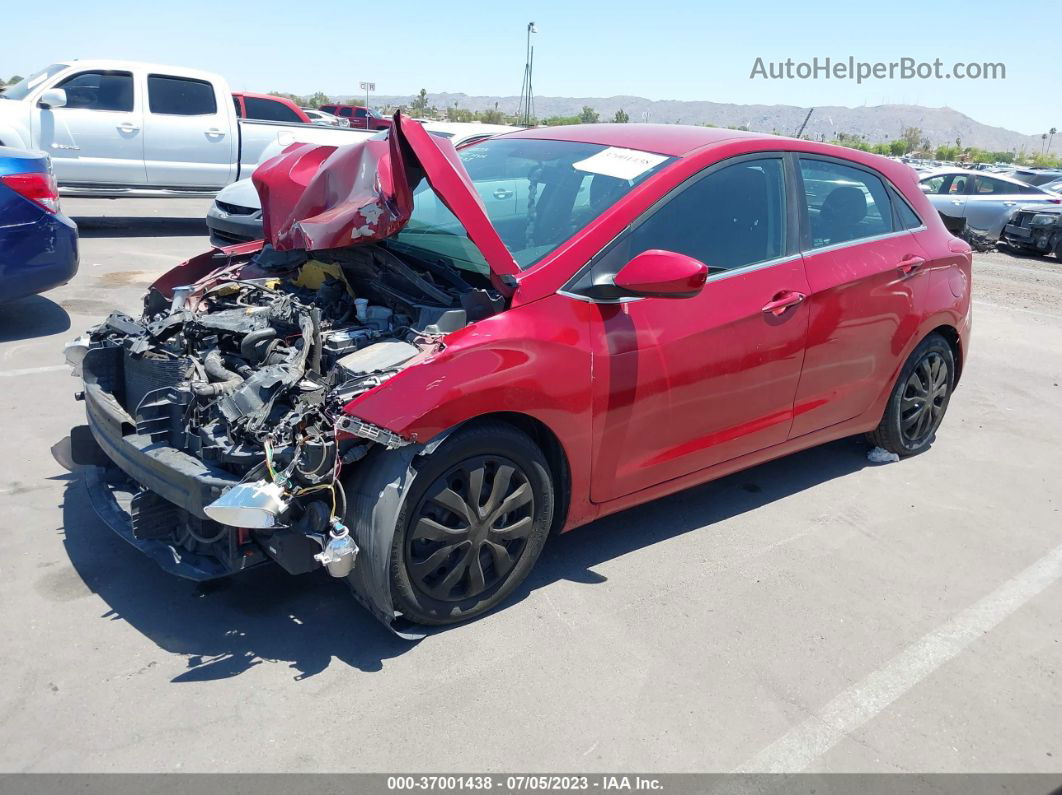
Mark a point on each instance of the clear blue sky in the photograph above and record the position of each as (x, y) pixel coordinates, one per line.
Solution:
(658, 49)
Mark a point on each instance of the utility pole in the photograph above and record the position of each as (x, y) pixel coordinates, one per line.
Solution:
(527, 96)
(805, 124)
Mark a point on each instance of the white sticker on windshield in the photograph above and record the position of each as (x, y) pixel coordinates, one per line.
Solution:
(619, 163)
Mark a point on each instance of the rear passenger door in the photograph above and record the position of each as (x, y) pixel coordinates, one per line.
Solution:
(188, 142)
(864, 270)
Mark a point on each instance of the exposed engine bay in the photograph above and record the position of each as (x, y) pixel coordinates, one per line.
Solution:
(238, 384)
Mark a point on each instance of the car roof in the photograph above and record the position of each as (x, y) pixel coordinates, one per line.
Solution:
(255, 95)
(664, 139)
(112, 64)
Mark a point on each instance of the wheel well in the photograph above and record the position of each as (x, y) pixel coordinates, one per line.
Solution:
(551, 448)
(952, 336)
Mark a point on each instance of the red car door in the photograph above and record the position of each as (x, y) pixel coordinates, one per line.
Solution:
(680, 385)
(866, 274)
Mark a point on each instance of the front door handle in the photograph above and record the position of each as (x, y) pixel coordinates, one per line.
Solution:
(782, 302)
(1009, 204)
(910, 264)
(957, 202)
(126, 127)
(502, 193)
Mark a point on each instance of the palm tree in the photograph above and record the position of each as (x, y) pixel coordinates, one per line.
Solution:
(1051, 140)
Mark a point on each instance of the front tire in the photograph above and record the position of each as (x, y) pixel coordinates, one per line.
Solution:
(471, 526)
(919, 399)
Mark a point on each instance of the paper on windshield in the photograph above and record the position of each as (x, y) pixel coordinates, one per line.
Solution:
(620, 163)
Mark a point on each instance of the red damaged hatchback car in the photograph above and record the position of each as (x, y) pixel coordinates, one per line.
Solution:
(436, 359)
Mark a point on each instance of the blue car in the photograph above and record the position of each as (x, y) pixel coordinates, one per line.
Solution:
(38, 244)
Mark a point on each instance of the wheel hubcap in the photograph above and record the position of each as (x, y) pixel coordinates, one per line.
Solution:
(924, 396)
(470, 529)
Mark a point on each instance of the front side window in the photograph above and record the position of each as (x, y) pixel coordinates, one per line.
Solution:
(934, 185)
(537, 194)
(99, 90)
(269, 110)
(359, 113)
(731, 218)
(844, 203)
(345, 112)
(328, 109)
(180, 96)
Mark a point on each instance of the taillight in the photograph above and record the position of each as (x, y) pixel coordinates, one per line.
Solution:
(1054, 201)
(37, 187)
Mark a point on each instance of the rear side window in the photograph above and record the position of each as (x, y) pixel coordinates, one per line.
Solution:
(269, 110)
(359, 113)
(99, 90)
(180, 96)
(844, 203)
(987, 185)
(345, 112)
(730, 218)
(906, 218)
(328, 109)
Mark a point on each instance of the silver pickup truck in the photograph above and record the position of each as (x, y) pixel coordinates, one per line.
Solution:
(124, 128)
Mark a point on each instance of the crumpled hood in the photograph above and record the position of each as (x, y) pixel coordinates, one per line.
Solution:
(323, 197)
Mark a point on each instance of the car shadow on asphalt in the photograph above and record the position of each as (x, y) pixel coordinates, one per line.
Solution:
(30, 317)
(227, 627)
(148, 226)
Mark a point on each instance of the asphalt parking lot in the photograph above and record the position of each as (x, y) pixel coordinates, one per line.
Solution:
(817, 612)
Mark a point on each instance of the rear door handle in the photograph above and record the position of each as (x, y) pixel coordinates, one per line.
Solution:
(502, 193)
(910, 264)
(782, 301)
(215, 131)
(1009, 204)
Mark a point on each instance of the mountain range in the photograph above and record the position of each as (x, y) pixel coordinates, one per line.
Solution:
(875, 123)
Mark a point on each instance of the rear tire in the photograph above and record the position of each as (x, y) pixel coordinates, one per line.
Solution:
(471, 526)
(919, 399)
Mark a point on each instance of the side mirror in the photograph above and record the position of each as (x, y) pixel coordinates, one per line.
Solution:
(52, 98)
(662, 274)
(924, 187)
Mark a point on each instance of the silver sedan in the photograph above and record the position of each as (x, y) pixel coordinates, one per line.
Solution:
(980, 202)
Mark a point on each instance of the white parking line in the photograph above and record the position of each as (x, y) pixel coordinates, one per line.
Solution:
(51, 368)
(798, 748)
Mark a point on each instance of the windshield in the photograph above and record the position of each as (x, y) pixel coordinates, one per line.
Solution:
(21, 89)
(537, 194)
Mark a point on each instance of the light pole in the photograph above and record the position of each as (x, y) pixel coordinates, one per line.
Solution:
(527, 101)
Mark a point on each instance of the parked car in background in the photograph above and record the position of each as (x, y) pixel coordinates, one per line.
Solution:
(443, 393)
(124, 128)
(38, 244)
(359, 116)
(1035, 230)
(267, 107)
(236, 214)
(326, 119)
(1036, 176)
(978, 202)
